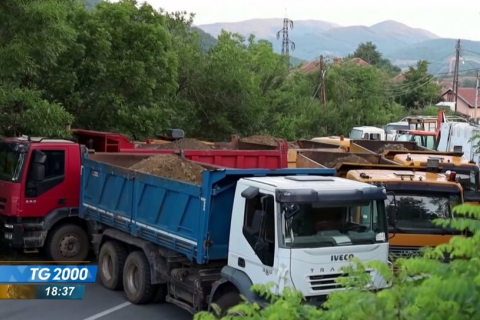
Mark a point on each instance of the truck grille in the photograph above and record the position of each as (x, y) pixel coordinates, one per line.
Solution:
(326, 281)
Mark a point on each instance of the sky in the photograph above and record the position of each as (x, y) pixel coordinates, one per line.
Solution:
(448, 19)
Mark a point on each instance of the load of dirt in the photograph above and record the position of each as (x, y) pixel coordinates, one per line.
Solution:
(171, 166)
(350, 158)
(262, 139)
(181, 144)
(399, 147)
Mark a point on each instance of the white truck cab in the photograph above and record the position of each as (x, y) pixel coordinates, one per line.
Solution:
(300, 231)
(367, 133)
(392, 128)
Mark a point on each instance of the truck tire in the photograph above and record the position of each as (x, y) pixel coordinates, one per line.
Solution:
(136, 279)
(67, 242)
(227, 301)
(110, 264)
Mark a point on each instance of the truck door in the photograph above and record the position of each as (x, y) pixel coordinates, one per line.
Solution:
(44, 191)
(258, 244)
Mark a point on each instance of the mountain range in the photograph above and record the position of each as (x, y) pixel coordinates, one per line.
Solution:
(398, 42)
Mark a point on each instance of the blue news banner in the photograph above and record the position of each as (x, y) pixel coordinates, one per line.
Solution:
(45, 281)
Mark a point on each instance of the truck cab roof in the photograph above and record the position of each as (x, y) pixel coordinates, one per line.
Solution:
(369, 128)
(419, 177)
(421, 160)
(317, 183)
(25, 139)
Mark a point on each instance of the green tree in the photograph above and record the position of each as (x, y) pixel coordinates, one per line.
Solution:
(33, 35)
(233, 88)
(120, 71)
(368, 52)
(417, 90)
(360, 96)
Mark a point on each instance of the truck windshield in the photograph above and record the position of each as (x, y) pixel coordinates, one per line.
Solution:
(11, 162)
(403, 137)
(327, 225)
(468, 180)
(396, 127)
(356, 134)
(418, 210)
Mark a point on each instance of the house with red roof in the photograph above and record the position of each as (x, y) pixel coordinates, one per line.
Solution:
(465, 101)
(315, 64)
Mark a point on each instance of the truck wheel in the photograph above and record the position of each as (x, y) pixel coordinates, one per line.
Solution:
(227, 301)
(67, 242)
(110, 262)
(136, 279)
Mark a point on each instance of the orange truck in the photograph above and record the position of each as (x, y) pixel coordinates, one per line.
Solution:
(410, 154)
(421, 194)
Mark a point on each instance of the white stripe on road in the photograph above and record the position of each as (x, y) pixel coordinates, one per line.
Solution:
(108, 311)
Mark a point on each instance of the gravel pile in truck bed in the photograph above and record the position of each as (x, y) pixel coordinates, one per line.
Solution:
(181, 144)
(171, 166)
(351, 158)
(262, 139)
(399, 147)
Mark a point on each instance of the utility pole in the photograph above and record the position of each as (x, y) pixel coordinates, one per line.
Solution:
(476, 95)
(457, 68)
(323, 99)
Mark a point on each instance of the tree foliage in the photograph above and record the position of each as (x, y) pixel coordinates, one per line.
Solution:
(127, 67)
(423, 288)
(368, 52)
(423, 91)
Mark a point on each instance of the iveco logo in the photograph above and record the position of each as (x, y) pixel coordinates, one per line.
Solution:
(342, 257)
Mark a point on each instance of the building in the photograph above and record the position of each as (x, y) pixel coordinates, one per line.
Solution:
(315, 64)
(465, 101)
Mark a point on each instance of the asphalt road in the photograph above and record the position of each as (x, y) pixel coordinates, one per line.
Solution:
(98, 303)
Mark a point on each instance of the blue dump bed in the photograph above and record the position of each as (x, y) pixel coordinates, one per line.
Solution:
(175, 214)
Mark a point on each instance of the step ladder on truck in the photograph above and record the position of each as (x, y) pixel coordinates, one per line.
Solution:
(194, 245)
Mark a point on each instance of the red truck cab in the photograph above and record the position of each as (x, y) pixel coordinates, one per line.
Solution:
(39, 183)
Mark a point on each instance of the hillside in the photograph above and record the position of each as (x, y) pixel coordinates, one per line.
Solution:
(91, 3)
(440, 53)
(314, 37)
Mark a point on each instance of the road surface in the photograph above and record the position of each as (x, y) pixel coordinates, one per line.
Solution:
(98, 303)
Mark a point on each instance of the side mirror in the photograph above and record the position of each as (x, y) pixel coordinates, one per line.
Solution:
(392, 215)
(261, 245)
(39, 157)
(38, 173)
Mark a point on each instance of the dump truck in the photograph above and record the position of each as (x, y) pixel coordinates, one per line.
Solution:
(328, 159)
(39, 209)
(410, 154)
(197, 244)
(422, 194)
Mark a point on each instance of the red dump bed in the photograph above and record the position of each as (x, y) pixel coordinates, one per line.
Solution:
(241, 159)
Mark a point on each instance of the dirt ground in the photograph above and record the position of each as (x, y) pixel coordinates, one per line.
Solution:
(181, 144)
(263, 139)
(351, 158)
(171, 166)
(400, 147)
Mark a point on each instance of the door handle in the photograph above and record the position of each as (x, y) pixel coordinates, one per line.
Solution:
(241, 262)
(62, 201)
